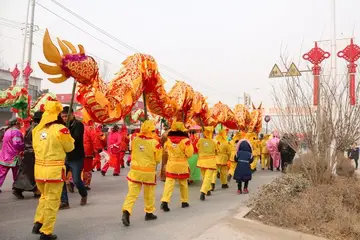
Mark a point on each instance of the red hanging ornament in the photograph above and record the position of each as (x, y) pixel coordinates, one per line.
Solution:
(316, 55)
(351, 54)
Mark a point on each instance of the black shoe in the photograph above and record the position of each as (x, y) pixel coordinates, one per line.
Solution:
(150, 216)
(99, 169)
(263, 169)
(212, 187)
(208, 193)
(36, 228)
(229, 178)
(64, 205)
(278, 169)
(18, 194)
(126, 218)
(48, 237)
(88, 188)
(202, 196)
(185, 205)
(103, 173)
(92, 170)
(83, 201)
(116, 174)
(224, 186)
(128, 164)
(122, 166)
(165, 207)
(70, 187)
(218, 175)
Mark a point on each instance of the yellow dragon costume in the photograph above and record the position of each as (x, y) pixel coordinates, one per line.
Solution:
(112, 101)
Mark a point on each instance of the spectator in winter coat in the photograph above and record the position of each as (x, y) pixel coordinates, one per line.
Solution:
(243, 172)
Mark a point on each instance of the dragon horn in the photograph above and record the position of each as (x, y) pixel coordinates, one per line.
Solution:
(51, 52)
(63, 47)
(82, 49)
(260, 105)
(253, 106)
(60, 79)
(52, 70)
(69, 44)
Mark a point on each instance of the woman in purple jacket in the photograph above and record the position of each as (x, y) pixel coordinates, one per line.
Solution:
(11, 150)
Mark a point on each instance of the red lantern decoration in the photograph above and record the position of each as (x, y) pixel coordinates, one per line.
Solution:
(351, 54)
(15, 74)
(316, 55)
(27, 71)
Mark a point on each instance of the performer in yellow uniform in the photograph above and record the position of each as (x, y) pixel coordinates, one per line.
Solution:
(265, 156)
(232, 164)
(255, 143)
(145, 155)
(222, 159)
(179, 148)
(51, 142)
(207, 160)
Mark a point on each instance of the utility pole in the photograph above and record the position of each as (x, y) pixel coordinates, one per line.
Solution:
(22, 64)
(31, 32)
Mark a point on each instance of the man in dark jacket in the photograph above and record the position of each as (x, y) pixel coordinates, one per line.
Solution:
(354, 154)
(286, 151)
(74, 159)
(25, 180)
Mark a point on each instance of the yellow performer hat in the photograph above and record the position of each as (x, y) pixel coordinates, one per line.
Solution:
(178, 126)
(52, 111)
(147, 128)
(208, 131)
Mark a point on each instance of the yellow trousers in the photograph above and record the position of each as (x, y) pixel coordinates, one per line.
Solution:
(223, 175)
(255, 162)
(48, 206)
(207, 175)
(232, 168)
(169, 188)
(133, 193)
(265, 160)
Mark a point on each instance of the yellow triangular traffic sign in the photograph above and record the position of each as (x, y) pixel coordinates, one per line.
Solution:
(293, 71)
(276, 72)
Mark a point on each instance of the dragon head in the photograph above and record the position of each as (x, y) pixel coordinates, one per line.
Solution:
(71, 63)
(256, 119)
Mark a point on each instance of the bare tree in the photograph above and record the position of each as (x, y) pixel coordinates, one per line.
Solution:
(327, 129)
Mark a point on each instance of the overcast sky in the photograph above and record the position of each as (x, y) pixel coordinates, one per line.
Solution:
(224, 48)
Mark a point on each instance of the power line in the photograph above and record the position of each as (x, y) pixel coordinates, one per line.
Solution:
(125, 44)
(98, 39)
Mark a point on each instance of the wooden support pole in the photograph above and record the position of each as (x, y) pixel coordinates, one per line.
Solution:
(71, 103)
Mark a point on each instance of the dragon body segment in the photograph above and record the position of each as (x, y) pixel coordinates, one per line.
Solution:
(111, 102)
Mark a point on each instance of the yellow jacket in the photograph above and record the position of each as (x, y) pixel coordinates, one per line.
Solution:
(223, 154)
(233, 151)
(50, 147)
(146, 153)
(207, 153)
(264, 149)
(177, 166)
(256, 147)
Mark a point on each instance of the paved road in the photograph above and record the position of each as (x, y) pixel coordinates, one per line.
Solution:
(101, 218)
